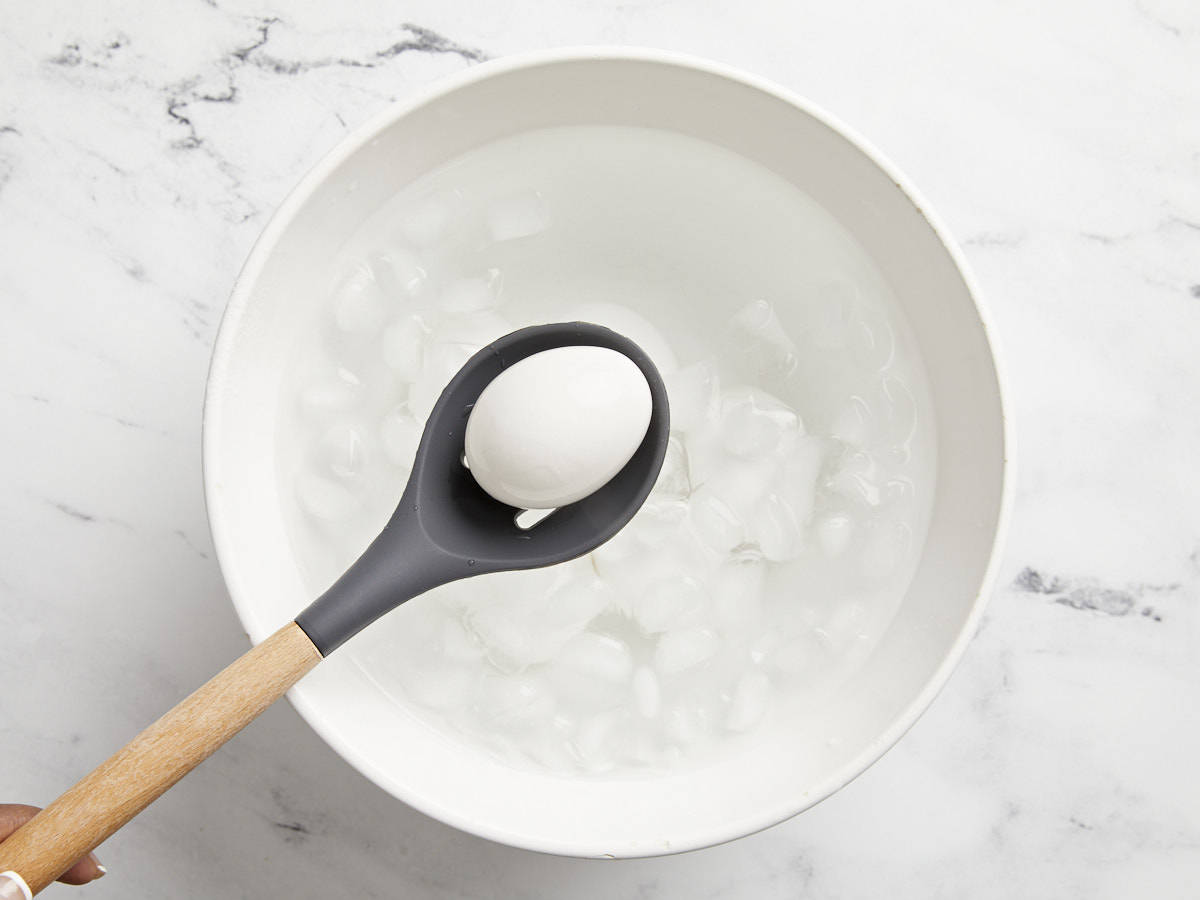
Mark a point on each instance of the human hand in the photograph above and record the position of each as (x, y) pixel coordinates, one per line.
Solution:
(14, 815)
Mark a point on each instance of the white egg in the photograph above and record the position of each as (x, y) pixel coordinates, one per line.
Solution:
(557, 425)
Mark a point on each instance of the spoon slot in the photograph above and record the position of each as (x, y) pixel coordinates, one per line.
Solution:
(527, 518)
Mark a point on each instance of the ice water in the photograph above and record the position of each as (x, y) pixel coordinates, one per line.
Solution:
(788, 517)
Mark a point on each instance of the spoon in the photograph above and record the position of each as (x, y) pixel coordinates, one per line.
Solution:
(445, 528)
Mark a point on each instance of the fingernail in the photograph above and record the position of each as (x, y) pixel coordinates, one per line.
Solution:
(99, 866)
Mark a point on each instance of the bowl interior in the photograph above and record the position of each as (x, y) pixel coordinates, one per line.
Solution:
(774, 778)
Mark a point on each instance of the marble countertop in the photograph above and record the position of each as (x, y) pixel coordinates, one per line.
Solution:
(142, 148)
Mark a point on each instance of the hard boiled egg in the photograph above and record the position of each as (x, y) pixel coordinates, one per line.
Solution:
(557, 425)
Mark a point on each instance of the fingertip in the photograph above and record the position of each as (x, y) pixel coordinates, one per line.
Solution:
(84, 871)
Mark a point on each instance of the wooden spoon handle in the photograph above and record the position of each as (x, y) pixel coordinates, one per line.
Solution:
(46, 846)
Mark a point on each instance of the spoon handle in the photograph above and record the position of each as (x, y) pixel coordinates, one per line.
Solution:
(131, 779)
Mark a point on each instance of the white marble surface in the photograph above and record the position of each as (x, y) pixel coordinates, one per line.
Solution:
(142, 147)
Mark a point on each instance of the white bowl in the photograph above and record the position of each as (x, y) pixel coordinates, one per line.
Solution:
(778, 776)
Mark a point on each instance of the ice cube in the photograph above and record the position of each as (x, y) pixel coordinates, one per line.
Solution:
(517, 215)
(627, 578)
(762, 648)
(422, 396)
(658, 521)
(410, 632)
(760, 339)
(503, 630)
(599, 656)
(715, 522)
(519, 629)
(595, 743)
(694, 394)
(899, 493)
(872, 343)
(647, 695)
(901, 411)
(834, 533)
(757, 321)
(325, 499)
(571, 605)
(401, 272)
(678, 651)
(858, 478)
(527, 617)
(336, 392)
(753, 423)
(855, 424)
(457, 644)
(592, 672)
(685, 724)
(472, 295)
(400, 434)
(427, 221)
(737, 587)
(548, 745)
(611, 558)
(794, 656)
(777, 529)
(668, 603)
(404, 346)
(886, 544)
(515, 699)
(706, 454)
(458, 597)
(743, 483)
(673, 478)
(359, 305)
(799, 474)
(751, 695)
(343, 451)
(826, 640)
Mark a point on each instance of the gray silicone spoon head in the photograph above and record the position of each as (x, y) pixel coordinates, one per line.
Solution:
(446, 527)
